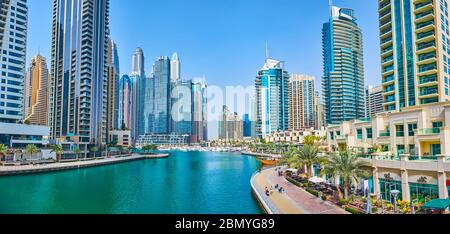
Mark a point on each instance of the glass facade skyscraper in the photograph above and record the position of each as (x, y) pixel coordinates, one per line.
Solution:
(343, 79)
(182, 107)
(160, 121)
(139, 83)
(13, 41)
(78, 95)
(415, 52)
(272, 98)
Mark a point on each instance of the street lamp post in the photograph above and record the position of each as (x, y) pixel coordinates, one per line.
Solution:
(395, 194)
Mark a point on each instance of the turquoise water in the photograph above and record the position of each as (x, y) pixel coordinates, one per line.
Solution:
(185, 183)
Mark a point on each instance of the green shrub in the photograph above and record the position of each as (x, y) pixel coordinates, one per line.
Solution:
(315, 193)
(342, 202)
(353, 211)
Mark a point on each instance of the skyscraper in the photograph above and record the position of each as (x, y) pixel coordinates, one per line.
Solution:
(230, 125)
(247, 128)
(160, 122)
(36, 92)
(343, 79)
(175, 68)
(272, 98)
(182, 106)
(200, 105)
(125, 102)
(13, 41)
(320, 115)
(113, 73)
(138, 62)
(78, 86)
(374, 101)
(302, 113)
(415, 47)
(138, 80)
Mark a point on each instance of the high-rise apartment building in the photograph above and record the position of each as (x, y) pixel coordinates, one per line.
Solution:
(200, 108)
(13, 41)
(160, 121)
(113, 73)
(36, 92)
(343, 79)
(415, 52)
(230, 125)
(272, 98)
(175, 68)
(78, 84)
(302, 112)
(374, 101)
(139, 93)
(319, 112)
(182, 106)
(125, 102)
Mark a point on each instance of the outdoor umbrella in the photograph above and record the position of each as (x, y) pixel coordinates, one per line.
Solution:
(437, 204)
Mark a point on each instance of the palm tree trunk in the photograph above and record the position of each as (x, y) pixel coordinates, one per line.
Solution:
(346, 187)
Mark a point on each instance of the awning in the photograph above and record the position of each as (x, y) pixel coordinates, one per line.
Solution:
(437, 204)
(316, 180)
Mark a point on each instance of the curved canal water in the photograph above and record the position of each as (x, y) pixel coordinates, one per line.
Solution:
(185, 183)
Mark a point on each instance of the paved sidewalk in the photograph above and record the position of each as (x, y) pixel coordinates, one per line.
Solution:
(295, 200)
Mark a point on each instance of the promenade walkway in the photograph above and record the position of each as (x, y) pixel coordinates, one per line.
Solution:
(27, 169)
(295, 200)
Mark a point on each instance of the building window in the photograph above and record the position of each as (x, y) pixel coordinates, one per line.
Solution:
(401, 149)
(411, 128)
(332, 136)
(439, 124)
(412, 149)
(369, 133)
(359, 134)
(423, 192)
(400, 130)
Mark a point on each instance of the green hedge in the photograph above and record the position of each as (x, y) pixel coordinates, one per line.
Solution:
(353, 210)
(315, 193)
(293, 181)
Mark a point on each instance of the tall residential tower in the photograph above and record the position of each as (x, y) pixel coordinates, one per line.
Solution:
(272, 98)
(415, 52)
(36, 92)
(343, 79)
(13, 41)
(302, 112)
(78, 84)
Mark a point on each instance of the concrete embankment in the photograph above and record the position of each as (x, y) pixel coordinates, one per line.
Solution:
(31, 169)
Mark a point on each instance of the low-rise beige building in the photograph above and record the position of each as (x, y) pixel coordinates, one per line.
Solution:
(120, 138)
(293, 137)
(415, 145)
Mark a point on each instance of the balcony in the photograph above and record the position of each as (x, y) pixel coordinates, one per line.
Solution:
(425, 16)
(428, 92)
(429, 131)
(423, 7)
(388, 79)
(385, 134)
(428, 80)
(425, 37)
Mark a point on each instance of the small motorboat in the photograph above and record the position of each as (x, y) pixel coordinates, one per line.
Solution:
(269, 161)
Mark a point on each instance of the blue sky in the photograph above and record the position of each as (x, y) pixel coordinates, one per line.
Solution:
(221, 39)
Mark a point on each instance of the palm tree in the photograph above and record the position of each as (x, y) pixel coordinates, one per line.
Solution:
(291, 158)
(309, 156)
(31, 150)
(348, 167)
(94, 150)
(58, 150)
(311, 140)
(78, 152)
(3, 150)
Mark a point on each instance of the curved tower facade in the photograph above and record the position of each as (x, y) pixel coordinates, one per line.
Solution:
(343, 79)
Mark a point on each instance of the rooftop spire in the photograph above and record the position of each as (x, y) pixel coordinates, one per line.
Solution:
(267, 51)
